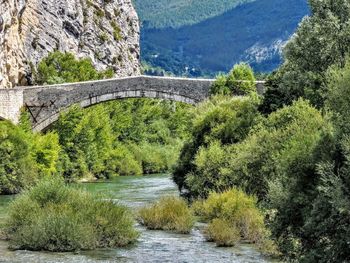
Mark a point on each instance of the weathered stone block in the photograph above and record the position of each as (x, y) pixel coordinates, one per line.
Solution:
(11, 102)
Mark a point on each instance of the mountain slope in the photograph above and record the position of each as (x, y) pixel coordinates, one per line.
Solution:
(176, 13)
(254, 32)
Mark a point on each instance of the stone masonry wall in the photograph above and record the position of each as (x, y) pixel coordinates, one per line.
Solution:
(11, 104)
(45, 103)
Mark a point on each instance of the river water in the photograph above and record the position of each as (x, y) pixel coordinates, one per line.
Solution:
(153, 246)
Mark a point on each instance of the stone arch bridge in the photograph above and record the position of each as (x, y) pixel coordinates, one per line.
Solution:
(45, 103)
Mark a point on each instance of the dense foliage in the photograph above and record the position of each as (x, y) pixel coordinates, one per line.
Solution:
(321, 41)
(274, 148)
(326, 226)
(25, 157)
(54, 217)
(219, 121)
(311, 222)
(131, 137)
(294, 159)
(275, 158)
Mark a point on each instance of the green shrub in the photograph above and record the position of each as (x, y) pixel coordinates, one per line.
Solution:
(220, 86)
(170, 213)
(233, 215)
(116, 31)
(54, 217)
(222, 233)
(237, 208)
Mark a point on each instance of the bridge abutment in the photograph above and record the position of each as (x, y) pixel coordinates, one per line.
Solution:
(11, 103)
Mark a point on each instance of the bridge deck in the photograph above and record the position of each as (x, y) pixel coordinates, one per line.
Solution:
(45, 102)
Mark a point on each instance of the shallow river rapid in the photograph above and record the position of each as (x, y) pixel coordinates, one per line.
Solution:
(153, 246)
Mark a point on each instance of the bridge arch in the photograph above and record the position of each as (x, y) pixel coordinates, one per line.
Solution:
(45, 124)
(46, 103)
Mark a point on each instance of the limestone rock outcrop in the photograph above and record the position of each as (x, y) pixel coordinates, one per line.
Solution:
(107, 31)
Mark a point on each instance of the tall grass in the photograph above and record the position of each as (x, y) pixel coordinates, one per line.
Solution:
(169, 213)
(222, 233)
(234, 216)
(54, 217)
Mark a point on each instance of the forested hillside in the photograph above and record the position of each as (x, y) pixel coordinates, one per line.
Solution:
(253, 32)
(176, 13)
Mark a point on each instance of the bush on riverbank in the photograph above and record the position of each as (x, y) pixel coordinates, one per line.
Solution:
(238, 209)
(234, 216)
(169, 213)
(54, 217)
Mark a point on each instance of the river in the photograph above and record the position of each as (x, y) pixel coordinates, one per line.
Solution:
(153, 246)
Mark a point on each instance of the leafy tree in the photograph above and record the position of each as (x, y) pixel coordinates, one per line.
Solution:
(324, 236)
(86, 140)
(326, 232)
(337, 99)
(320, 42)
(240, 81)
(17, 168)
(226, 120)
(272, 153)
(25, 157)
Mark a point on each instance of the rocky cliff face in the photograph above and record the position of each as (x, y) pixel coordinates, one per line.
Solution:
(107, 31)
